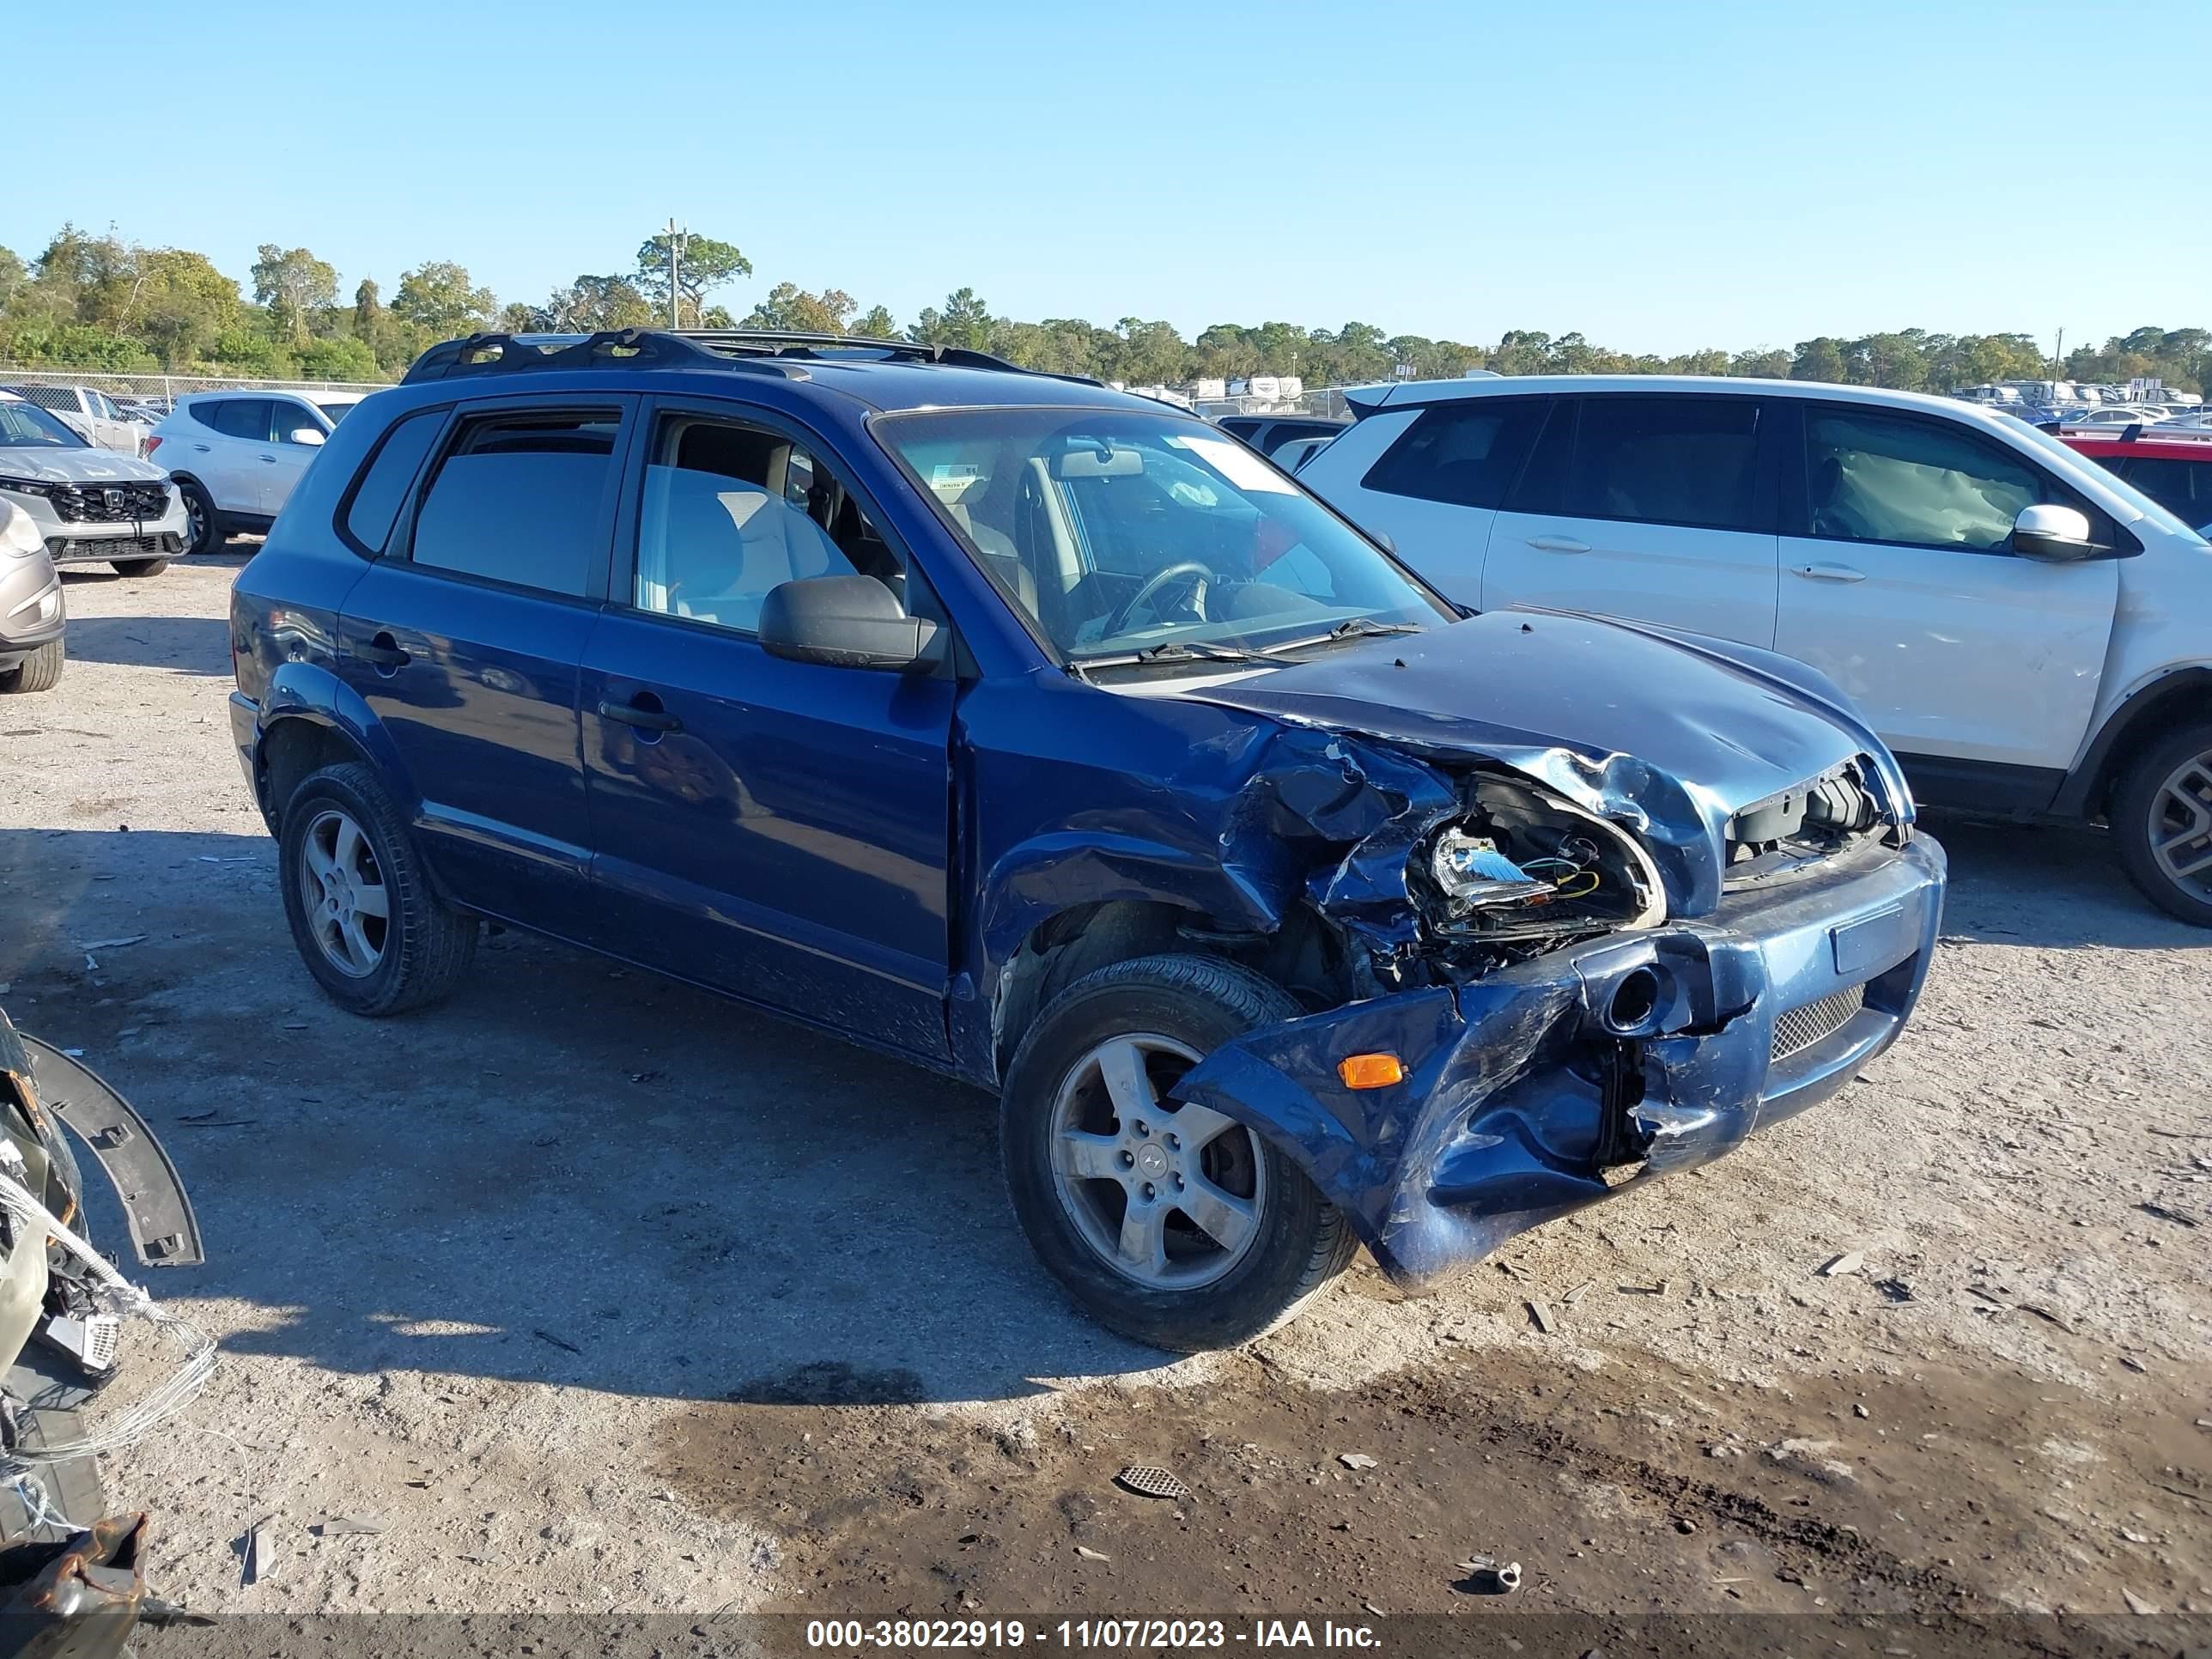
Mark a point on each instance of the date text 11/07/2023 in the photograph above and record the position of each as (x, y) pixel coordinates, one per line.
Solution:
(1088, 1635)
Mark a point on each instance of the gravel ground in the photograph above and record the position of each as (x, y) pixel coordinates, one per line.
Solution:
(627, 1299)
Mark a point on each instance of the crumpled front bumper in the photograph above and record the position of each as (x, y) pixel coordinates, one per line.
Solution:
(1527, 1095)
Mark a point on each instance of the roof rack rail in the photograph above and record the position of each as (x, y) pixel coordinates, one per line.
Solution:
(804, 344)
(503, 353)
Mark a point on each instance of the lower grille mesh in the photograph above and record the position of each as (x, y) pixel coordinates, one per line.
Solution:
(1796, 1029)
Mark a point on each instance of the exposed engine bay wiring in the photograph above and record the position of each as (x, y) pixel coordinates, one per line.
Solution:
(133, 1423)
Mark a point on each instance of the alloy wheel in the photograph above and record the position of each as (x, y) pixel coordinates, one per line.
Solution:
(348, 908)
(2181, 826)
(1169, 1196)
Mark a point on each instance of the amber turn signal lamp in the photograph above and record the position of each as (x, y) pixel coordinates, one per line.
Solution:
(1370, 1071)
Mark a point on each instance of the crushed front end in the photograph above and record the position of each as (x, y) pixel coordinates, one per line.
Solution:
(1573, 967)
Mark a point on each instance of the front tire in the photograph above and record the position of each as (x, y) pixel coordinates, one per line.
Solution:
(40, 671)
(1175, 1226)
(2161, 814)
(371, 931)
(141, 566)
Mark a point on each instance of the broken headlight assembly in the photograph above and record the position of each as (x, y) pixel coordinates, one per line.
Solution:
(1526, 867)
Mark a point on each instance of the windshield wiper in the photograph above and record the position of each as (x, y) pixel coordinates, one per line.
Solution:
(1171, 651)
(1351, 627)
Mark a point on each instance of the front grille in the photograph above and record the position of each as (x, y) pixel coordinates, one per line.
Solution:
(67, 548)
(110, 503)
(1798, 1028)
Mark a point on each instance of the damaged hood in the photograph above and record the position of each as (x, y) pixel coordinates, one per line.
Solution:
(1670, 738)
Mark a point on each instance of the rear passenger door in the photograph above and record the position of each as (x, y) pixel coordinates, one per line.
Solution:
(778, 830)
(1656, 509)
(465, 636)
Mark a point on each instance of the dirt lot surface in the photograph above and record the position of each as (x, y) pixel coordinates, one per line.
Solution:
(607, 1296)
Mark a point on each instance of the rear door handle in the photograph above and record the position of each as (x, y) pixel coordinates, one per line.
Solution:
(644, 712)
(203, 448)
(384, 651)
(1558, 544)
(1831, 573)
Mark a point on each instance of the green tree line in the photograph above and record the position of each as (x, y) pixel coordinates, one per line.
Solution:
(99, 302)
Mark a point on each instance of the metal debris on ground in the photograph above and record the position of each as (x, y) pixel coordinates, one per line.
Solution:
(547, 1336)
(260, 1552)
(1149, 1481)
(1849, 1262)
(1355, 1460)
(2164, 1214)
(112, 944)
(1486, 1576)
(1089, 1554)
(338, 1526)
(1542, 1316)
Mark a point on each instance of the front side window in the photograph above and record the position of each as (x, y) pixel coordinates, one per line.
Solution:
(1113, 531)
(26, 426)
(1465, 453)
(287, 417)
(519, 498)
(1877, 477)
(731, 511)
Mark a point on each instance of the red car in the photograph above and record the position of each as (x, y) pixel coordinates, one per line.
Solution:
(2174, 468)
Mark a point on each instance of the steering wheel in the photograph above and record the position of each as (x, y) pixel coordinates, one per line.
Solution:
(1186, 570)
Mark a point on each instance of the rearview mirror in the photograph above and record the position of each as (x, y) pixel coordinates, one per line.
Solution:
(845, 621)
(2054, 534)
(304, 434)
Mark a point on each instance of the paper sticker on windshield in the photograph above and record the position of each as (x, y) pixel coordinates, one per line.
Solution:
(1236, 464)
(952, 479)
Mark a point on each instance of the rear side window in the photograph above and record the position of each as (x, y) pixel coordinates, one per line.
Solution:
(2182, 487)
(1466, 453)
(384, 483)
(236, 417)
(1667, 460)
(521, 499)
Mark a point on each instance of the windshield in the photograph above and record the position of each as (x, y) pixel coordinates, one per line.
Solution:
(2164, 518)
(1118, 531)
(334, 412)
(26, 426)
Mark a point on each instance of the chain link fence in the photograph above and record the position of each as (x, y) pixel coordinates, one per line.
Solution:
(172, 386)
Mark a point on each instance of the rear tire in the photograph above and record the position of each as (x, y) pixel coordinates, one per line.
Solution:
(203, 533)
(374, 935)
(40, 671)
(1067, 1134)
(141, 566)
(2161, 815)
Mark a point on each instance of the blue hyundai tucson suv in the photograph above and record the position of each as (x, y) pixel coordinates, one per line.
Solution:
(1051, 739)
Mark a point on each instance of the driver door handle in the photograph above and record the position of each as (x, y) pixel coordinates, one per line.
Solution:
(1831, 573)
(1558, 544)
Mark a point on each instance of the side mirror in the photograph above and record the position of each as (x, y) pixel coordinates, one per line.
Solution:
(2057, 535)
(311, 436)
(846, 622)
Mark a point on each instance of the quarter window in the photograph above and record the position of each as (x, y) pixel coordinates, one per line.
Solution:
(1465, 453)
(1874, 478)
(375, 504)
(520, 499)
(731, 511)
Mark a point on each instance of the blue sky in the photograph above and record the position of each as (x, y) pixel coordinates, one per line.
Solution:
(1661, 176)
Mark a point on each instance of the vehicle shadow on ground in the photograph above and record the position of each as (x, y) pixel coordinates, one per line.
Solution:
(2051, 886)
(573, 1173)
(190, 645)
(582, 1174)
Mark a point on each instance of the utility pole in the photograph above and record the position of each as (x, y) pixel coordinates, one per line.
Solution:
(675, 239)
(2058, 355)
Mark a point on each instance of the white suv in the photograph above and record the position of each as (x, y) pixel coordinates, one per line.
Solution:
(2031, 636)
(236, 455)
